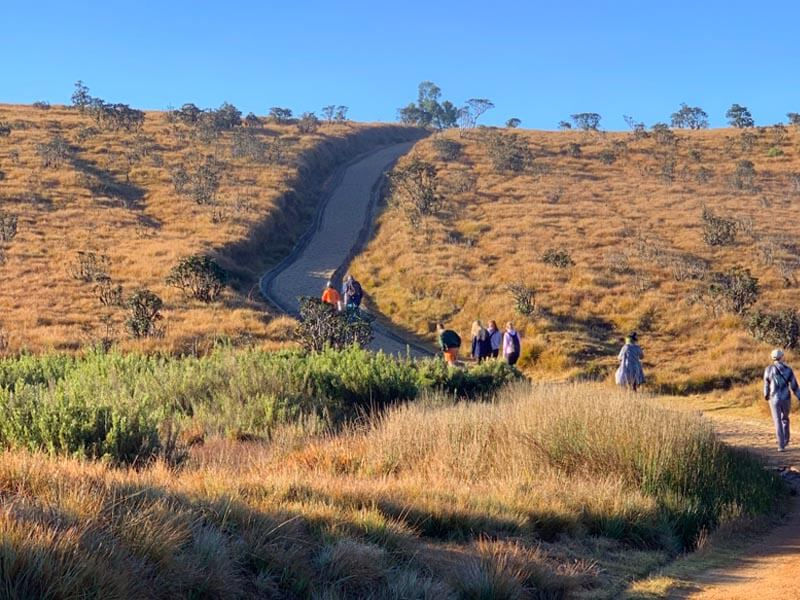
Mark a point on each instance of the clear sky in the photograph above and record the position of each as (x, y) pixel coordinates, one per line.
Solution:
(538, 61)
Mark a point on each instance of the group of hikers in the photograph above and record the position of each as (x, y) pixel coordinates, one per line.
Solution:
(490, 342)
(487, 342)
(350, 298)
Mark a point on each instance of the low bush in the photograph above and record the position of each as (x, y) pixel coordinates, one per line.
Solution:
(780, 328)
(446, 149)
(718, 231)
(128, 408)
(198, 277)
(508, 152)
(144, 314)
(558, 257)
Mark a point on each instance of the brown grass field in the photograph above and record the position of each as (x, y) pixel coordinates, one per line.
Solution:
(113, 195)
(628, 212)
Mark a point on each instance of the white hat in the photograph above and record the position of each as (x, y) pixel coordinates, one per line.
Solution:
(777, 354)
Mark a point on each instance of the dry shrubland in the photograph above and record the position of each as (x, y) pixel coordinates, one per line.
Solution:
(89, 203)
(653, 231)
(545, 492)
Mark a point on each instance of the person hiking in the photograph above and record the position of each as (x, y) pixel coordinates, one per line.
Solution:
(511, 344)
(481, 342)
(630, 372)
(331, 296)
(449, 343)
(495, 338)
(778, 380)
(353, 294)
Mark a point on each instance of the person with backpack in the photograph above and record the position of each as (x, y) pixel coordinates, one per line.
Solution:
(778, 380)
(511, 344)
(331, 296)
(481, 342)
(495, 338)
(449, 343)
(630, 373)
(353, 293)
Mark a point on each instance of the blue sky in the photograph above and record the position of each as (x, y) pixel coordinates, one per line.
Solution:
(538, 61)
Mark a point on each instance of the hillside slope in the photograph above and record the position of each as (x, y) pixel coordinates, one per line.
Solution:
(83, 196)
(623, 216)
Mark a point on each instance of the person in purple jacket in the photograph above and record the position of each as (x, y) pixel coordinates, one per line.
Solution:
(512, 344)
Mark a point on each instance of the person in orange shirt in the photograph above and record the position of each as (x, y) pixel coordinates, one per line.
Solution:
(331, 296)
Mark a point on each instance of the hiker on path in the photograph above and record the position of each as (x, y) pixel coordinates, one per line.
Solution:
(353, 294)
(331, 296)
(511, 344)
(778, 380)
(495, 338)
(449, 343)
(630, 372)
(481, 342)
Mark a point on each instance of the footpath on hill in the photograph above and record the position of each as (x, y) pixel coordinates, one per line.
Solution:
(343, 222)
(767, 567)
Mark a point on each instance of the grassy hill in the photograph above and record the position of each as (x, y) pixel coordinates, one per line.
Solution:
(83, 200)
(610, 230)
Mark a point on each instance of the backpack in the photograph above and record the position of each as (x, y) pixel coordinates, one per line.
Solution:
(515, 341)
(354, 291)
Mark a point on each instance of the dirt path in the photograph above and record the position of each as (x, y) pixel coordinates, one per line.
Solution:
(339, 229)
(769, 567)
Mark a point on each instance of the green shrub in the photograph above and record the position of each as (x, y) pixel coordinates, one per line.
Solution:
(145, 312)
(781, 328)
(198, 277)
(128, 408)
(774, 152)
(734, 290)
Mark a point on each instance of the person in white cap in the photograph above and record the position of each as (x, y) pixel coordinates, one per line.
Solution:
(778, 380)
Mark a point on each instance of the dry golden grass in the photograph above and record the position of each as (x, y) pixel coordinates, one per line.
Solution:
(514, 499)
(114, 196)
(622, 224)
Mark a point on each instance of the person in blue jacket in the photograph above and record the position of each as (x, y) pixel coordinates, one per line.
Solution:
(778, 380)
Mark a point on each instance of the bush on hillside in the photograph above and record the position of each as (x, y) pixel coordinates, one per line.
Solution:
(280, 115)
(323, 326)
(245, 143)
(415, 189)
(90, 267)
(744, 176)
(198, 277)
(718, 231)
(513, 123)
(5, 129)
(308, 123)
(446, 150)
(508, 152)
(780, 328)
(734, 290)
(144, 314)
(558, 257)
(524, 297)
(8, 226)
(53, 153)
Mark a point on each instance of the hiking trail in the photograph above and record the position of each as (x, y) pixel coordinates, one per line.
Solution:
(767, 566)
(342, 224)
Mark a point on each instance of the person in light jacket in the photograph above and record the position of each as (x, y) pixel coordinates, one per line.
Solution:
(495, 337)
(778, 380)
(512, 344)
(630, 373)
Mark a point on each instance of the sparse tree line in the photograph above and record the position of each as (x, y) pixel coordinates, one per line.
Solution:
(428, 111)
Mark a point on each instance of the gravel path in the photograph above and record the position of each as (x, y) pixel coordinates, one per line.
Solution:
(340, 228)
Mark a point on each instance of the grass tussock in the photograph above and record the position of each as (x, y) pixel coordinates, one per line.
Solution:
(609, 247)
(545, 492)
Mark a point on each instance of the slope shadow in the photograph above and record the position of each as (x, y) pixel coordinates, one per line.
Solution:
(107, 187)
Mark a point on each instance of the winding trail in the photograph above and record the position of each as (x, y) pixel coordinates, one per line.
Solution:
(341, 227)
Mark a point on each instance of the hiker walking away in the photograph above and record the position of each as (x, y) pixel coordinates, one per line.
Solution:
(778, 380)
(630, 373)
(495, 338)
(331, 296)
(353, 293)
(449, 343)
(511, 344)
(481, 342)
